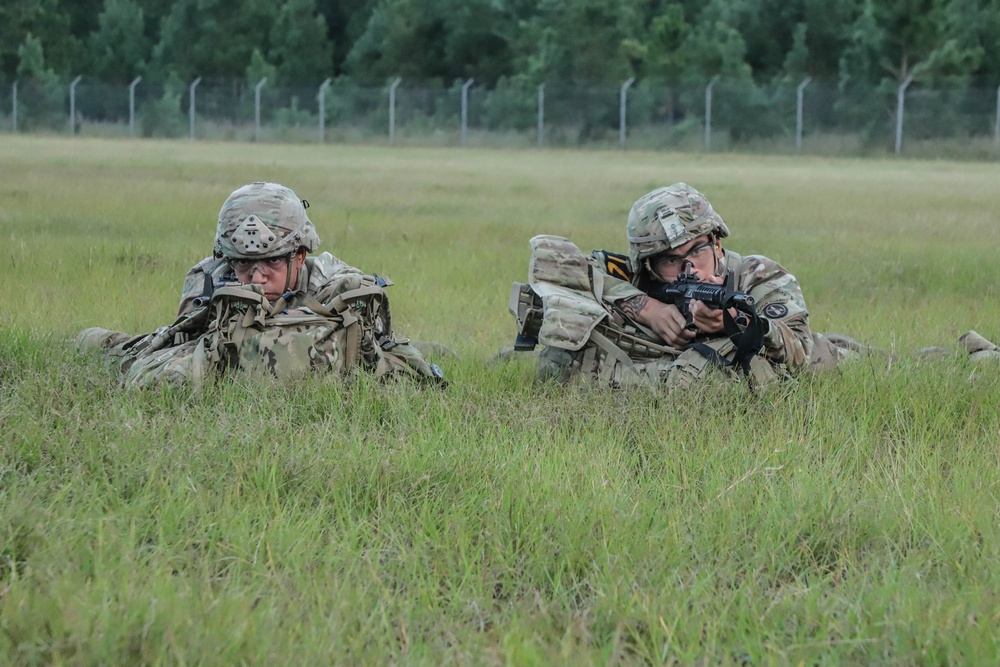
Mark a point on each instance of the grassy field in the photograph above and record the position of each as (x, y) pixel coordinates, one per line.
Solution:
(849, 519)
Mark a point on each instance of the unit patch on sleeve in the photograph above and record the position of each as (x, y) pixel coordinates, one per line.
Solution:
(775, 311)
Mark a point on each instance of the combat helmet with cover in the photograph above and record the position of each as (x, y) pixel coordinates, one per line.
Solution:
(667, 218)
(263, 220)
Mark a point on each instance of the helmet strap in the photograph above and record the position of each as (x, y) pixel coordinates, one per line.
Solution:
(288, 271)
(715, 255)
(292, 256)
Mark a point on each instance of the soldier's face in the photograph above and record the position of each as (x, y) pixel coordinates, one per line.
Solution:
(702, 252)
(274, 275)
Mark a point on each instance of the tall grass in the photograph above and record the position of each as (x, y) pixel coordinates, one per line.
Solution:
(848, 519)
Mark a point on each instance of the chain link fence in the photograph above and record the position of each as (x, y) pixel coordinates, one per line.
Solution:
(807, 116)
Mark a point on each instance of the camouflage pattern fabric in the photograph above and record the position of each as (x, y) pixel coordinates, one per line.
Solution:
(340, 325)
(789, 341)
(263, 220)
(598, 364)
(560, 274)
(668, 218)
(323, 273)
(591, 328)
(978, 347)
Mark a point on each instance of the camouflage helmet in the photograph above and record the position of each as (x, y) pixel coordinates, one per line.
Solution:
(667, 218)
(263, 220)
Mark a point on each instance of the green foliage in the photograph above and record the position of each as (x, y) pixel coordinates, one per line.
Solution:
(293, 116)
(164, 116)
(715, 47)
(260, 69)
(859, 69)
(120, 48)
(32, 61)
(950, 65)
(756, 44)
(212, 38)
(49, 22)
(402, 37)
(913, 31)
(849, 518)
(797, 58)
(16, 21)
(298, 44)
(759, 49)
(666, 55)
(583, 41)
(441, 41)
(513, 104)
(41, 96)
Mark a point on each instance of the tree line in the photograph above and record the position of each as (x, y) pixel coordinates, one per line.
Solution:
(850, 43)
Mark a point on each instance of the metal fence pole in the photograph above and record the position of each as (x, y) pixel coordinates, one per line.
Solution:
(194, 84)
(798, 112)
(622, 103)
(392, 110)
(256, 109)
(131, 105)
(900, 95)
(321, 99)
(708, 113)
(541, 115)
(996, 129)
(465, 109)
(13, 116)
(72, 105)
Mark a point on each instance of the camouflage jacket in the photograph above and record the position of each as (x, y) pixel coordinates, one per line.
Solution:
(779, 300)
(342, 323)
(323, 275)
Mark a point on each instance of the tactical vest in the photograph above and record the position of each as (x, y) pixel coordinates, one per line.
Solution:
(236, 329)
(588, 341)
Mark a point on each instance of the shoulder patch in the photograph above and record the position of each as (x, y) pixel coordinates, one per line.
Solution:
(775, 311)
(616, 264)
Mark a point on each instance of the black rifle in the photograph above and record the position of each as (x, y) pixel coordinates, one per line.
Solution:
(687, 288)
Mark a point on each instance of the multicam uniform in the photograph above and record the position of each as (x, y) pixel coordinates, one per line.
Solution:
(334, 319)
(573, 307)
(788, 341)
(323, 273)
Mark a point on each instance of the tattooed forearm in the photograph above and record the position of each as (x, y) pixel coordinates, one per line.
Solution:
(633, 305)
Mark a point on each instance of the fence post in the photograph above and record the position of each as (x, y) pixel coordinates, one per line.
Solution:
(900, 94)
(622, 99)
(321, 99)
(194, 84)
(72, 105)
(708, 113)
(996, 129)
(256, 109)
(798, 112)
(13, 116)
(131, 105)
(392, 109)
(541, 114)
(465, 109)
